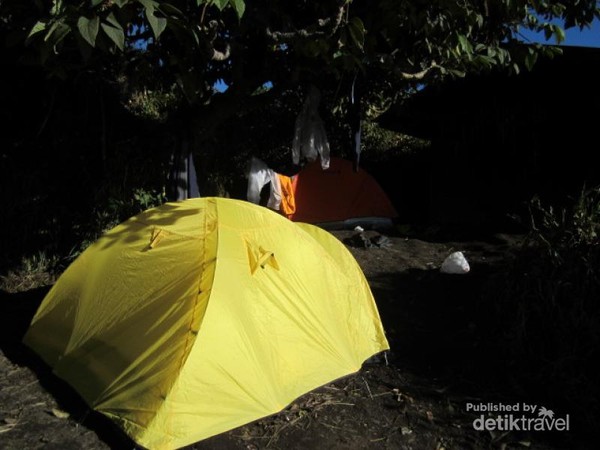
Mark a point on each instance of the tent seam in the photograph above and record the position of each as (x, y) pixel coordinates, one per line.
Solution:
(189, 338)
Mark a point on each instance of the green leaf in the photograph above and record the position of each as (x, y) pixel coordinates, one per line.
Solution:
(220, 4)
(111, 19)
(158, 24)
(84, 47)
(465, 45)
(343, 39)
(484, 61)
(550, 52)
(39, 26)
(547, 31)
(479, 20)
(502, 55)
(95, 2)
(428, 44)
(149, 4)
(115, 34)
(559, 34)
(57, 6)
(169, 10)
(120, 3)
(51, 30)
(457, 73)
(530, 60)
(557, 10)
(189, 85)
(195, 36)
(88, 28)
(239, 6)
(57, 33)
(357, 32)
(358, 24)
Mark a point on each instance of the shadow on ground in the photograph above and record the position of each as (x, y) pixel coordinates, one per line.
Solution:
(438, 325)
(16, 313)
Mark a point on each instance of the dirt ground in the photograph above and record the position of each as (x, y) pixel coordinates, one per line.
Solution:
(442, 359)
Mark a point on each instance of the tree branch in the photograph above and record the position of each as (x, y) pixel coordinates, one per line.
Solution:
(325, 28)
(217, 55)
(211, 35)
(418, 75)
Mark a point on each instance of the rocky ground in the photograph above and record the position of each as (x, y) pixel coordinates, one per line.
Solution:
(444, 357)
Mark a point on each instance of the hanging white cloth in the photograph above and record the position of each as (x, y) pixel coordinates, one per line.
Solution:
(259, 175)
(310, 139)
(275, 196)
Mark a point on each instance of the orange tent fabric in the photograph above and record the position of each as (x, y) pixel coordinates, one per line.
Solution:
(338, 194)
(288, 201)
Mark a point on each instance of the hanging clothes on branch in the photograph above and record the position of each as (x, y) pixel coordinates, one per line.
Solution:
(310, 139)
(354, 118)
(281, 195)
(182, 179)
(260, 175)
(288, 199)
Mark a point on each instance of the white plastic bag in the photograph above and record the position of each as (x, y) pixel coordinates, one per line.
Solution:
(455, 263)
(310, 139)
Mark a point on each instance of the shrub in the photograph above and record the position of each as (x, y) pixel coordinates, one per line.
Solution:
(549, 306)
(109, 212)
(39, 269)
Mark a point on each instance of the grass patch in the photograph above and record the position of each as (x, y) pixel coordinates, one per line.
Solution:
(37, 270)
(548, 307)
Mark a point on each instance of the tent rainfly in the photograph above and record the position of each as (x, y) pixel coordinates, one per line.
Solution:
(339, 196)
(199, 316)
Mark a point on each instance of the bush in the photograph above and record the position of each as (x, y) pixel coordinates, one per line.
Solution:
(39, 269)
(549, 306)
(111, 211)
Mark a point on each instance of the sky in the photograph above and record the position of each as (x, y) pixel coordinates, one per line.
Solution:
(588, 37)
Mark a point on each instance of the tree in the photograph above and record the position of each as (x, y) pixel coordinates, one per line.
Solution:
(181, 48)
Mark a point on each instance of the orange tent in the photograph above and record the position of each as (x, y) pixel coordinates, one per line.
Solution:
(338, 194)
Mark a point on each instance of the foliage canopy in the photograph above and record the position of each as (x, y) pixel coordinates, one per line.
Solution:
(245, 43)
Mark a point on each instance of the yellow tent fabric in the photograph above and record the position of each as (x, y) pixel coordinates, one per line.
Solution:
(199, 316)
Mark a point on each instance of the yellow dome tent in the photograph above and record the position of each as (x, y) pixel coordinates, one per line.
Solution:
(199, 316)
